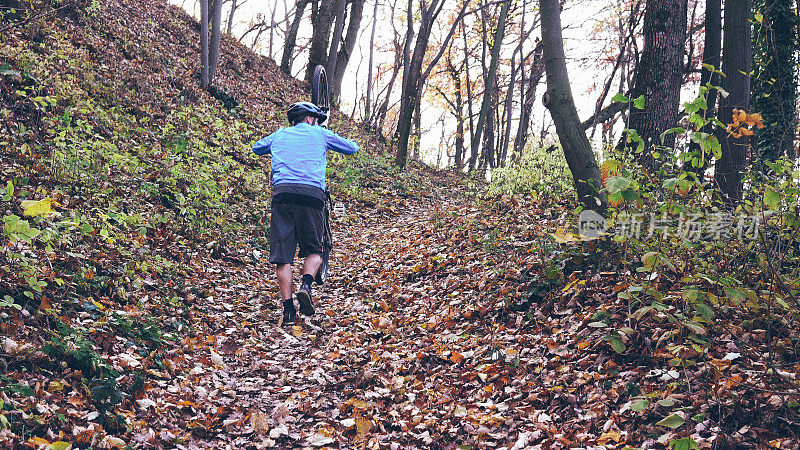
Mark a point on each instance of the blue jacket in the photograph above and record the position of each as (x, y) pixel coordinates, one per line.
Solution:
(299, 153)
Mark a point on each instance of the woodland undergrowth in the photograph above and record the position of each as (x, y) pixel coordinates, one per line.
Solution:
(126, 188)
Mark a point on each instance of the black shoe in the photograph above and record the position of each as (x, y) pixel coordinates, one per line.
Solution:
(304, 298)
(289, 313)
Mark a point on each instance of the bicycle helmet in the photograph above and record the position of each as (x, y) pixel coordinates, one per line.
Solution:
(299, 110)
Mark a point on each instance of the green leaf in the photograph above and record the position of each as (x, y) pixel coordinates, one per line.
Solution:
(704, 310)
(680, 130)
(670, 183)
(59, 445)
(759, 17)
(641, 312)
(617, 344)
(617, 184)
(672, 421)
(667, 402)
(34, 208)
(772, 199)
(639, 102)
(5, 69)
(650, 259)
(686, 443)
(9, 190)
(736, 296)
(691, 294)
(695, 327)
(619, 98)
(640, 405)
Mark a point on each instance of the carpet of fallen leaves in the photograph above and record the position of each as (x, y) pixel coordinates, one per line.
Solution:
(443, 324)
(417, 343)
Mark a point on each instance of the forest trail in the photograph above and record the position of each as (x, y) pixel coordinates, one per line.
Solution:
(376, 363)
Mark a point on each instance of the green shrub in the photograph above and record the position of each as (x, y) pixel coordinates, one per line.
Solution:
(540, 172)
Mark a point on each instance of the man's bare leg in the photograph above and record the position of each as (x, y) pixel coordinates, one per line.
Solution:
(310, 267)
(311, 264)
(284, 275)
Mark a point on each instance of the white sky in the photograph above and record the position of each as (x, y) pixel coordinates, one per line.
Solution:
(578, 21)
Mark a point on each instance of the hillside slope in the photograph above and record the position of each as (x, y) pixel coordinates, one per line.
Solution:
(122, 184)
(137, 307)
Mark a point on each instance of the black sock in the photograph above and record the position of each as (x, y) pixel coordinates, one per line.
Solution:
(308, 279)
(288, 305)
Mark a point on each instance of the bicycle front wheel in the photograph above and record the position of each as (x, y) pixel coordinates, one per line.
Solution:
(327, 244)
(320, 95)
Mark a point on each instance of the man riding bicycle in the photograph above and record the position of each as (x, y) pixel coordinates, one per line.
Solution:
(298, 197)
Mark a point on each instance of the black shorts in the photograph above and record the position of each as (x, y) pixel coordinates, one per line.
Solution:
(292, 224)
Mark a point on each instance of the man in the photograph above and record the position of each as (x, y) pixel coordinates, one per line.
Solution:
(298, 197)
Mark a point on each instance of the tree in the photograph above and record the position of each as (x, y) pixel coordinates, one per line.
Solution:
(400, 45)
(711, 55)
(368, 103)
(736, 61)
(343, 56)
(333, 54)
(558, 100)
(204, 78)
(491, 77)
(291, 37)
(774, 83)
(216, 36)
(320, 37)
(415, 78)
(528, 92)
(209, 52)
(235, 4)
(659, 74)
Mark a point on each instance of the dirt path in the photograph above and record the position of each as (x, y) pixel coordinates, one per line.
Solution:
(330, 380)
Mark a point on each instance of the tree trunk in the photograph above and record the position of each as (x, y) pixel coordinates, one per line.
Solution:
(411, 82)
(491, 75)
(323, 20)
(291, 37)
(417, 135)
(204, 78)
(343, 59)
(774, 91)
(711, 53)
(659, 75)
(537, 70)
(232, 12)
(338, 29)
(368, 105)
(458, 112)
(508, 109)
(736, 58)
(558, 100)
(473, 156)
(416, 78)
(216, 36)
(272, 28)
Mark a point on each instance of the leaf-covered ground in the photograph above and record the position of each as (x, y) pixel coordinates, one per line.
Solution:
(138, 308)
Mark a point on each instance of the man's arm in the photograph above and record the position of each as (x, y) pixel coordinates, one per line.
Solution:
(340, 144)
(263, 146)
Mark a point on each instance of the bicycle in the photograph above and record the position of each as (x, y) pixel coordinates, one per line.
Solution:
(320, 96)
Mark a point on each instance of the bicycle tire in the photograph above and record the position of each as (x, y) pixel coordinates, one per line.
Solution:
(320, 95)
(327, 244)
